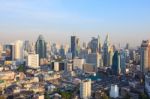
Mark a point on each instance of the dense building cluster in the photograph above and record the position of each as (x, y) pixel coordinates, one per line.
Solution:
(93, 70)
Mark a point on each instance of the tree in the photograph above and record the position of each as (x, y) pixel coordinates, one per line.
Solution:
(21, 68)
(143, 96)
(66, 95)
(105, 96)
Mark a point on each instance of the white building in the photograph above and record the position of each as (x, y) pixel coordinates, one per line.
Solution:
(114, 91)
(33, 60)
(19, 51)
(56, 66)
(78, 63)
(85, 89)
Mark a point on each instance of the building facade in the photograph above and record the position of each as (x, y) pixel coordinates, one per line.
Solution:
(145, 56)
(33, 60)
(40, 47)
(85, 89)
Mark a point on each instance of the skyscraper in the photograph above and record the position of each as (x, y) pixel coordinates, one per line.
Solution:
(123, 61)
(74, 46)
(145, 56)
(85, 89)
(106, 49)
(9, 48)
(19, 51)
(95, 45)
(40, 47)
(116, 63)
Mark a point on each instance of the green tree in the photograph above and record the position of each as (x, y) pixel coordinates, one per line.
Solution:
(143, 96)
(105, 96)
(66, 95)
(21, 68)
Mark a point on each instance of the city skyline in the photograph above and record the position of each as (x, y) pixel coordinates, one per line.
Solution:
(57, 20)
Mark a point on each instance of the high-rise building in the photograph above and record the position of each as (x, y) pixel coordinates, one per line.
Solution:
(106, 49)
(62, 51)
(40, 47)
(74, 46)
(145, 56)
(33, 60)
(85, 89)
(123, 61)
(19, 50)
(94, 59)
(95, 45)
(116, 63)
(9, 48)
(110, 56)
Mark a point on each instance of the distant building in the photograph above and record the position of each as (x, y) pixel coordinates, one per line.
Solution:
(89, 68)
(33, 60)
(145, 56)
(85, 89)
(94, 59)
(40, 47)
(68, 67)
(106, 52)
(95, 45)
(78, 63)
(9, 48)
(116, 63)
(74, 46)
(19, 50)
(123, 61)
(62, 52)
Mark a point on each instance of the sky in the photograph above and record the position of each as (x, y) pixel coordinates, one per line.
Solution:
(126, 21)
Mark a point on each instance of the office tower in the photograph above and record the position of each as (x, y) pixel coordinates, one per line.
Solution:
(123, 61)
(9, 48)
(127, 46)
(110, 56)
(145, 56)
(27, 46)
(106, 48)
(85, 89)
(62, 51)
(33, 60)
(40, 47)
(95, 45)
(84, 53)
(19, 50)
(132, 55)
(116, 63)
(94, 59)
(75, 46)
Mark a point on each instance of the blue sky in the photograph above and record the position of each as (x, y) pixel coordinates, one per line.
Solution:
(125, 20)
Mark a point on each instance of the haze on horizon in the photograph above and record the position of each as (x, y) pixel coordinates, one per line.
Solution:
(126, 21)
